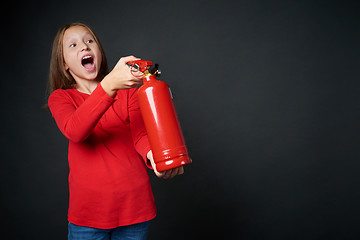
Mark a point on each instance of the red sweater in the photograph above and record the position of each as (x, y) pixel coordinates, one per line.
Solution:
(108, 181)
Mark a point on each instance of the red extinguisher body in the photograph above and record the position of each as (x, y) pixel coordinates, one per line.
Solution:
(162, 124)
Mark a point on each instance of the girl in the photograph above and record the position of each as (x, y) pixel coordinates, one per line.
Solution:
(110, 192)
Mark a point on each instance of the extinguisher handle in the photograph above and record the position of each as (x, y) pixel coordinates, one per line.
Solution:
(139, 65)
(143, 65)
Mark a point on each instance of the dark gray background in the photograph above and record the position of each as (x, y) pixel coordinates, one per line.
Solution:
(266, 93)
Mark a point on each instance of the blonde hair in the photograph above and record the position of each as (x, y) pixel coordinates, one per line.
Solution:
(59, 77)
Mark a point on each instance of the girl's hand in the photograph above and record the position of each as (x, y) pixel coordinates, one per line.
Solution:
(120, 77)
(165, 174)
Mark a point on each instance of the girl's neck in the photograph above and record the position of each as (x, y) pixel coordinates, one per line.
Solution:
(86, 86)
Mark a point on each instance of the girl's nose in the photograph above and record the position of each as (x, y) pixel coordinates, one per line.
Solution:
(85, 47)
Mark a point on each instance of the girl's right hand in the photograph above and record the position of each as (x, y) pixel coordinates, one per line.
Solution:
(120, 77)
(168, 174)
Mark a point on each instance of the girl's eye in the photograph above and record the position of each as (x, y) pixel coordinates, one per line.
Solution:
(90, 41)
(72, 45)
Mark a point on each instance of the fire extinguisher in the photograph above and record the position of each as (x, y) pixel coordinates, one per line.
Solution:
(160, 118)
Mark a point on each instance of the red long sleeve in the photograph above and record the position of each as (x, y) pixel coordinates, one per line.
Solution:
(108, 180)
(76, 122)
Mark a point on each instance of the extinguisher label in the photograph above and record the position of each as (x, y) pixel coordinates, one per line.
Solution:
(171, 94)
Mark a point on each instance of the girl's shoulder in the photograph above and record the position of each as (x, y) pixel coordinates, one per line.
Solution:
(70, 95)
(63, 92)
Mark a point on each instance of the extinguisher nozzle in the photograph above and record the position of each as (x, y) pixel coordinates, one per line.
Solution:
(154, 70)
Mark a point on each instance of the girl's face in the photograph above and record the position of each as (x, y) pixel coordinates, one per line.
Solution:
(82, 55)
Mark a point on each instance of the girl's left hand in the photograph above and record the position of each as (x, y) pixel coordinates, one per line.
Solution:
(165, 174)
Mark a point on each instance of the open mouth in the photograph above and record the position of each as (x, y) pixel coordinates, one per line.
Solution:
(88, 62)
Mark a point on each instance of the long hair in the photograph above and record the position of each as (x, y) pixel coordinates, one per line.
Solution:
(59, 77)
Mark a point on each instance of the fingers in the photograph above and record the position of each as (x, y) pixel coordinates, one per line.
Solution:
(181, 170)
(122, 64)
(159, 174)
(133, 82)
(168, 174)
(123, 77)
(137, 75)
(128, 59)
